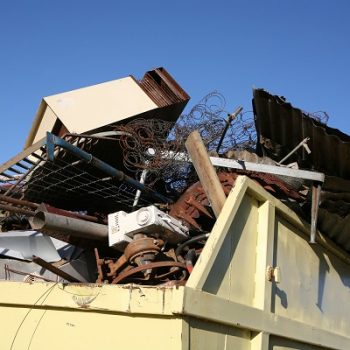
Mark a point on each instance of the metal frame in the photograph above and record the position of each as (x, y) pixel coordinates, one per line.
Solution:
(53, 141)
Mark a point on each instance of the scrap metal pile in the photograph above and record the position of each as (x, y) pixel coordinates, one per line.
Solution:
(116, 199)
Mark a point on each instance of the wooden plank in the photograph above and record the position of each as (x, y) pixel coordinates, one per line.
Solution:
(206, 172)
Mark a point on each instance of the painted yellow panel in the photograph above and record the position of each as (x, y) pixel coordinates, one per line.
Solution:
(210, 335)
(315, 285)
(232, 274)
(277, 343)
(42, 329)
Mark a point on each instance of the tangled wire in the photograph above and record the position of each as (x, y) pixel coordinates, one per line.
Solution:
(156, 146)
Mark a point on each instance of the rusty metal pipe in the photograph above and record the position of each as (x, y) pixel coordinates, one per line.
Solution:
(53, 223)
(22, 202)
(17, 210)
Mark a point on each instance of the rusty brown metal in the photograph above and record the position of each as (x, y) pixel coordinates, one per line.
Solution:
(142, 249)
(21, 202)
(51, 209)
(161, 87)
(174, 268)
(193, 205)
(17, 210)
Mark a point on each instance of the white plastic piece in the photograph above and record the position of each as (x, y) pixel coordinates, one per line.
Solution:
(117, 238)
(277, 274)
(150, 221)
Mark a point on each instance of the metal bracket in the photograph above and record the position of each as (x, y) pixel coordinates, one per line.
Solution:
(301, 144)
(315, 201)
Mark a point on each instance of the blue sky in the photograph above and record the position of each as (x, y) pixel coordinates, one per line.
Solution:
(298, 49)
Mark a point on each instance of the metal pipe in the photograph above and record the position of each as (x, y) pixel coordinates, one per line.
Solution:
(23, 273)
(228, 123)
(17, 210)
(53, 223)
(8, 199)
(51, 209)
(190, 241)
(53, 141)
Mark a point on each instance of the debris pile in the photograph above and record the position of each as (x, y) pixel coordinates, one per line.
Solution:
(105, 190)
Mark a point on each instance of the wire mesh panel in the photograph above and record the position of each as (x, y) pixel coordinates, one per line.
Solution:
(66, 182)
(71, 183)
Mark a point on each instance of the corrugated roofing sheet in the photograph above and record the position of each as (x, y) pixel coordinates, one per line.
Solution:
(280, 127)
(162, 89)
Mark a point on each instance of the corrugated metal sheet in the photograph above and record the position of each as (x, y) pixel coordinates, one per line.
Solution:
(280, 127)
(161, 87)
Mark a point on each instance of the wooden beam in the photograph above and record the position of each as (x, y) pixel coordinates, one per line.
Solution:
(206, 172)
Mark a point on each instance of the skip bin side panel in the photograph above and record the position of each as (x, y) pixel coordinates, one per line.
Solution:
(210, 335)
(277, 343)
(41, 329)
(315, 285)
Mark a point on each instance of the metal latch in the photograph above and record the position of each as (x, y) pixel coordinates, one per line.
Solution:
(273, 274)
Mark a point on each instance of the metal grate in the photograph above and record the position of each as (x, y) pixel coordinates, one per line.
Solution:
(65, 180)
(77, 186)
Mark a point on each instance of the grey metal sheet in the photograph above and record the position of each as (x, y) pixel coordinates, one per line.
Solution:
(25, 244)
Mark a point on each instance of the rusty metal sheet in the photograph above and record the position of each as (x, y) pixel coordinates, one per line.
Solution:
(161, 87)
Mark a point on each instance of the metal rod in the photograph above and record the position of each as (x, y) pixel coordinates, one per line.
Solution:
(23, 273)
(53, 223)
(228, 123)
(302, 143)
(50, 209)
(28, 204)
(250, 166)
(53, 141)
(55, 270)
(138, 192)
(268, 169)
(17, 210)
